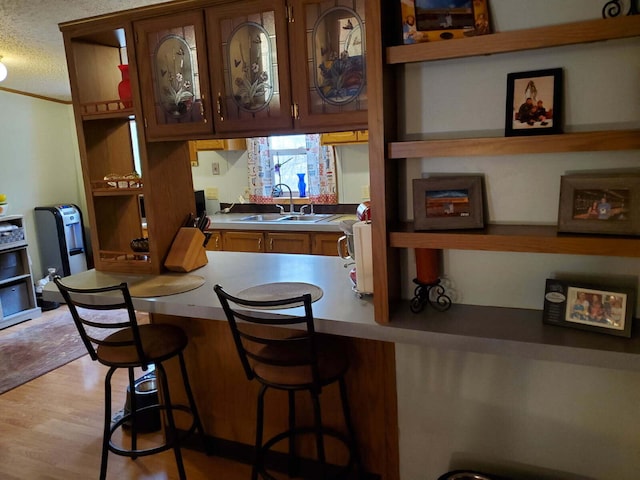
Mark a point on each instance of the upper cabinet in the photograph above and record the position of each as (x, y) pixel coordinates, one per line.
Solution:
(328, 51)
(250, 66)
(174, 76)
(297, 67)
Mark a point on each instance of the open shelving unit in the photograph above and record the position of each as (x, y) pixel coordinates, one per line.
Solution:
(484, 323)
(17, 292)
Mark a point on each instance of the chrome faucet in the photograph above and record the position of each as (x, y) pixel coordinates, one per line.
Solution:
(290, 197)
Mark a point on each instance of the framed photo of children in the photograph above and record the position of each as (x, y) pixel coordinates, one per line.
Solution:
(534, 102)
(448, 202)
(603, 309)
(606, 204)
(430, 20)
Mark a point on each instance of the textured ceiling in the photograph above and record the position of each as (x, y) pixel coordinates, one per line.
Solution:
(31, 43)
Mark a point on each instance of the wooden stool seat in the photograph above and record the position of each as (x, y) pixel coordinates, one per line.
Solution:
(159, 343)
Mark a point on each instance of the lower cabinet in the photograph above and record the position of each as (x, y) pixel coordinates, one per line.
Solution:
(287, 242)
(324, 243)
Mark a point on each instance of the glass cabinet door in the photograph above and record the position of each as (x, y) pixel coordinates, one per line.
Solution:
(249, 66)
(173, 75)
(328, 38)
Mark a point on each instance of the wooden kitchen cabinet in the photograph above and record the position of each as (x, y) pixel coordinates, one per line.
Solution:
(250, 66)
(243, 241)
(196, 146)
(174, 77)
(256, 89)
(110, 138)
(215, 241)
(329, 39)
(278, 242)
(326, 244)
(345, 138)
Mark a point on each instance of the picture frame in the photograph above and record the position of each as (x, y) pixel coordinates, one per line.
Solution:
(433, 20)
(448, 202)
(534, 102)
(598, 308)
(602, 203)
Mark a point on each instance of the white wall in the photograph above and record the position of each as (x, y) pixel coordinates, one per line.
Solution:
(352, 163)
(527, 414)
(39, 160)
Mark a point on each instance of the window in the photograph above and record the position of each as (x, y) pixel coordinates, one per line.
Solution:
(288, 159)
(282, 160)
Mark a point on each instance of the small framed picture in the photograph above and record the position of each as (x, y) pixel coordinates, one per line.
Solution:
(534, 103)
(430, 20)
(600, 204)
(599, 308)
(448, 202)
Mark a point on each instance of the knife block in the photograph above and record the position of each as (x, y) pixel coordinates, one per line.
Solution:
(187, 252)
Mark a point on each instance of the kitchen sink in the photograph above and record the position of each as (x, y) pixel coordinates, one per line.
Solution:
(305, 218)
(264, 217)
(276, 217)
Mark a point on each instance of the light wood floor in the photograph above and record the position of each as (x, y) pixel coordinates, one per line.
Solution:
(51, 429)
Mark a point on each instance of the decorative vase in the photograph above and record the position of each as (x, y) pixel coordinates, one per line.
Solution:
(124, 87)
(302, 187)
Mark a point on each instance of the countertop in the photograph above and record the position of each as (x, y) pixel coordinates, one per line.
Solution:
(231, 221)
(340, 311)
(492, 330)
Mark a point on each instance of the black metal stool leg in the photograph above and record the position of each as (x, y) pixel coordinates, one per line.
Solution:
(294, 463)
(192, 404)
(107, 423)
(258, 460)
(171, 431)
(133, 411)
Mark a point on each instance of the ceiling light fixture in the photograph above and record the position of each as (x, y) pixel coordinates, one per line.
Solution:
(3, 70)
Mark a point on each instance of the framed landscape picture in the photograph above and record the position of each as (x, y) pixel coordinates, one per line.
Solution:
(430, 20)
(534, 103)
(599, 308)
(606, 204)
(442, 203)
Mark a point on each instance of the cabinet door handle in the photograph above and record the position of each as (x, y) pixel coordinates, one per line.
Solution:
(203, 110)
(271, 244)
(295, 111)
(217, 243)
(219, 104)
(259, 244)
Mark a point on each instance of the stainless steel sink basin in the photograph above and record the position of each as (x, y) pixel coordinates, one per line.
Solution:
(304, 218)
(265, 217)
(276, 217)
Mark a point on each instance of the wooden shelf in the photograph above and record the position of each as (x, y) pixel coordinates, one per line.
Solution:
(516, 238)
(569, 142)
(513, 331)
(517, 40)
(105, 110)
(15, 279)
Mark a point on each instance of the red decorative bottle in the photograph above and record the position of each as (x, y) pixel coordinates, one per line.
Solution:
(124, 87)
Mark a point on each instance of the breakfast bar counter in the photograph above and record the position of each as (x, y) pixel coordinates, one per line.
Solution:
(225, 398)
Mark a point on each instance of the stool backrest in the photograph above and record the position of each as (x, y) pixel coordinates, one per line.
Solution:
(253, 343)
(95, 330)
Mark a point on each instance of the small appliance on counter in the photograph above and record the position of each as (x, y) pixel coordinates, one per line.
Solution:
(61, 239)
(357, 237)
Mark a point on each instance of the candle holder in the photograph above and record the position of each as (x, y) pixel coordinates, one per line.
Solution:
(431, 293)
(613, 8)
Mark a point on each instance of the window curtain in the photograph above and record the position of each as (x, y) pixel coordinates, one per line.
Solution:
(321, 168)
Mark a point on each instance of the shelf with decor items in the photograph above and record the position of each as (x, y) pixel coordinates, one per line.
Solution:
(115, 153)
(17, 292)
(392, 155)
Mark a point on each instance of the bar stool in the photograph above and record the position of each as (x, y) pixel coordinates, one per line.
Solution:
(302, 362)
(122, 343)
